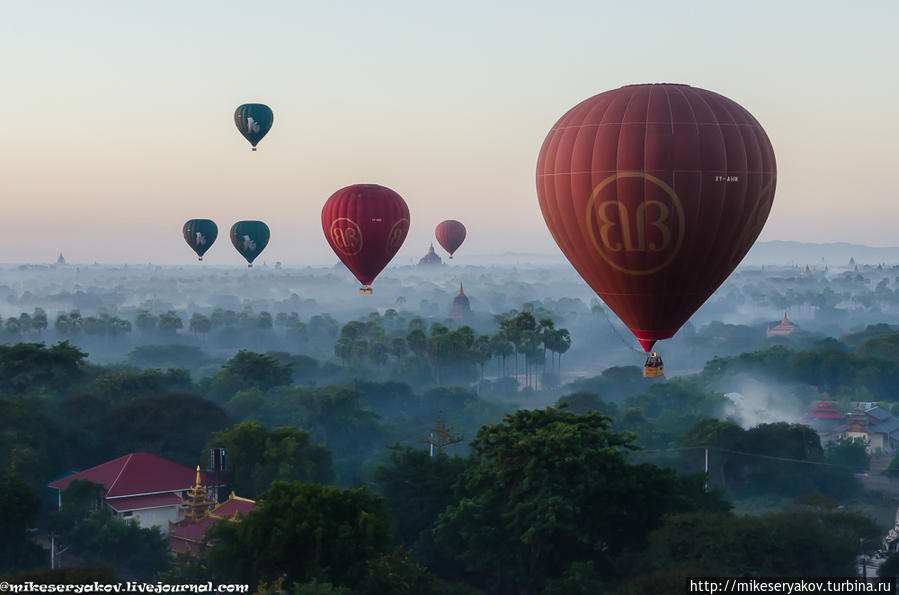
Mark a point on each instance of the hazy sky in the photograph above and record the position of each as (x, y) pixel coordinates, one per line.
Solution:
(118, 121)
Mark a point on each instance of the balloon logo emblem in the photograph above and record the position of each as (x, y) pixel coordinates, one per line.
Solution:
(637, 238)
(346, 235)
(397, 235)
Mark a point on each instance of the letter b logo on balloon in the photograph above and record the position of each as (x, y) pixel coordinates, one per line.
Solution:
(397, 236)
(638, 237)
(346, 235)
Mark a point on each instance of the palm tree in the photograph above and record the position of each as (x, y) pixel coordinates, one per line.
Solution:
(501, 348)
(561, 344)
(515, 328)
(200, 323)
(546, 331)
(39, 320)
(482, 351)
(533, 356)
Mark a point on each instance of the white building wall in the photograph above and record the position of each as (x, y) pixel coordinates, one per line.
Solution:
(155, 517)
(875, 441)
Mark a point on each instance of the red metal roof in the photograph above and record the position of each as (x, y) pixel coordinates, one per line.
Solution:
(825, 410)
(138, 473)
(185, 529)
(825, 415)
(179, 545)
(186, 534)
(142, 502)
(231, 507)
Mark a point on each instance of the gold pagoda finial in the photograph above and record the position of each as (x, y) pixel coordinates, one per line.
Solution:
(198, 500)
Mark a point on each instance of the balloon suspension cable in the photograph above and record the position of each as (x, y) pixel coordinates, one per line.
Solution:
(628, 344)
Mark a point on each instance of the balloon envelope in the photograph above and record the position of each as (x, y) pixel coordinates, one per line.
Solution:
(655, 193)
(450, 234)
(254, 120)
(250, 238)
(365, 224)
(200, 234)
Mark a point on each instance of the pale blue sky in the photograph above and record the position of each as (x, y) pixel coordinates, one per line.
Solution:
(118, 123)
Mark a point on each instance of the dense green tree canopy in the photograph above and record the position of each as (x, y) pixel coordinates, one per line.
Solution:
(779, 458)
(417, 488)
(774, 545)
(134, 552)
(248, 370)
(546, 488)
(27, 430)
(302, 531)
(20, 506)
(32, 368)
(258, 456)
(172, 426)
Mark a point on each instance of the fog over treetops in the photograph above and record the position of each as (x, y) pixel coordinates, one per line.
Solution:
(821, 302)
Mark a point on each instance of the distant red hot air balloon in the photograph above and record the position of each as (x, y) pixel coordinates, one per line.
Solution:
(655, 193)
(450, 234)
(365, 224)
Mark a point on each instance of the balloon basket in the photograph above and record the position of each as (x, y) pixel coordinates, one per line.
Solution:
(249, 266)
(653, 372)
(254, 148)
(365, 291)
(654, 367)
(200, 259)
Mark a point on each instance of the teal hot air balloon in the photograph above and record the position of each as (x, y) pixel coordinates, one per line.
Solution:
(200, 234)
(254, 120)
(250, 238)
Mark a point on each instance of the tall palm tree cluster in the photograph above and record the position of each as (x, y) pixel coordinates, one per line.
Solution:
(382, 340)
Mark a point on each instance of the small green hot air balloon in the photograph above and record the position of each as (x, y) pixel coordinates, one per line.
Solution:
(200, 234)
(250, 238)
(254, 120)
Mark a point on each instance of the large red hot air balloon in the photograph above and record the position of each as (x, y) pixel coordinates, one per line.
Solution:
(450, 234)
(655, 193)
(365, 224)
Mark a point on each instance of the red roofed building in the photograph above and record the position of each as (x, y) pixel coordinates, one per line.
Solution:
(825, 410)
(824, 419)
(141, 486)
(874, 425)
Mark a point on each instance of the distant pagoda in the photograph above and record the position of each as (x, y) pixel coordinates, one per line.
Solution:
(430, 258)
(461, 305)
(783, 329)
(61, 259)
(825, 410)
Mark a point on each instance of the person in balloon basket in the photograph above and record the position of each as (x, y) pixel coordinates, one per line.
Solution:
(654, 361)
